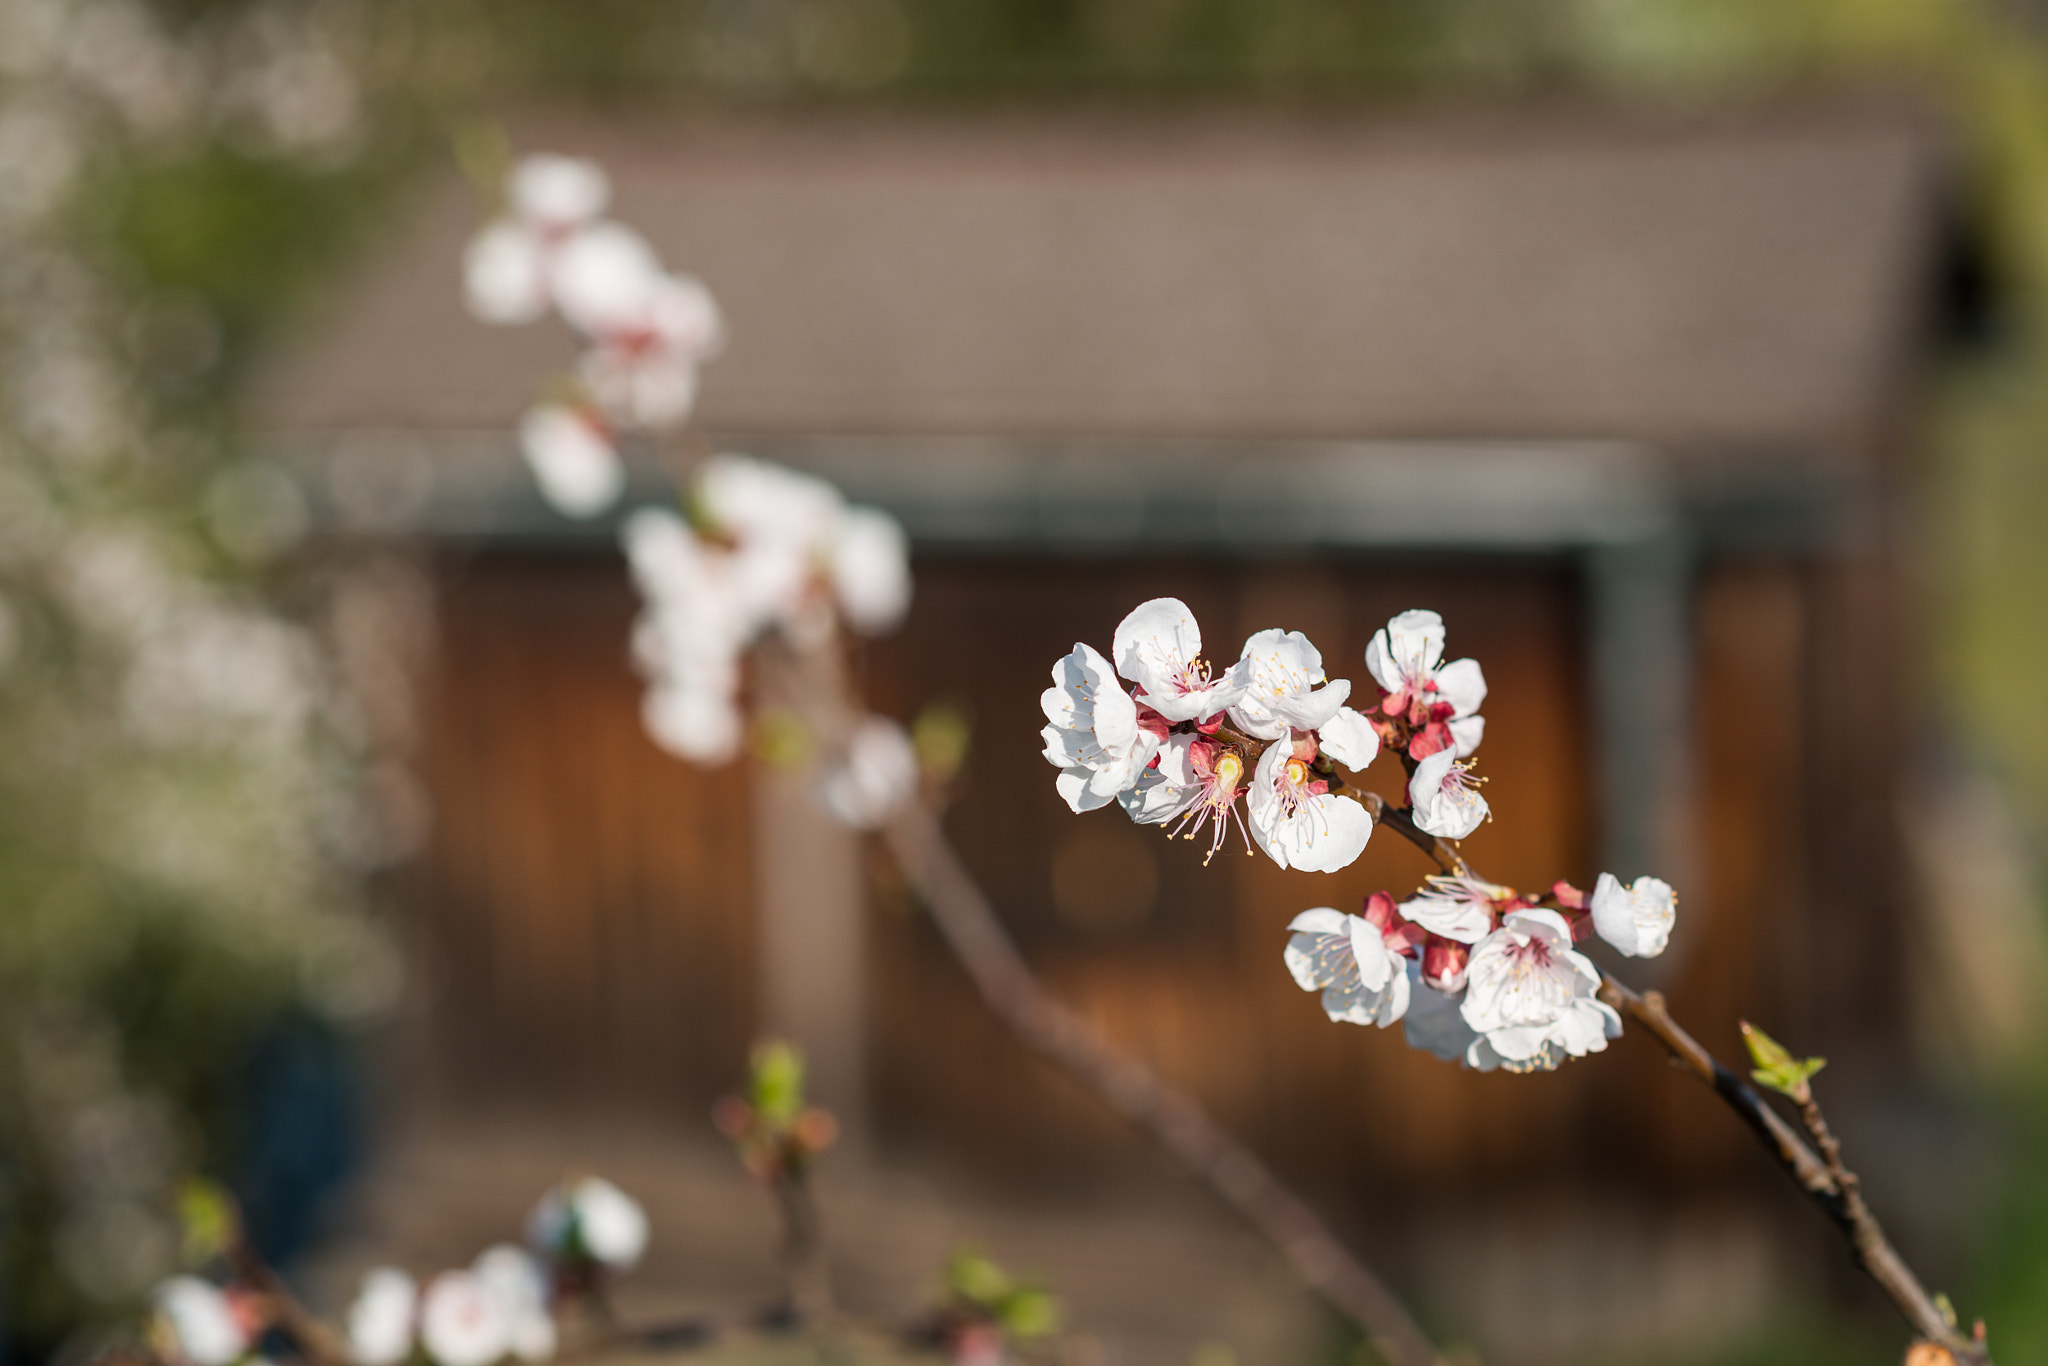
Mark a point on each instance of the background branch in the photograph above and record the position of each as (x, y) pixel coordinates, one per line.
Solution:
(971, 929)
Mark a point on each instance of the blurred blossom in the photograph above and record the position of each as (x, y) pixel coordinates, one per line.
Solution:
(199, 1323)
(519, 1285)
(589, 1219)
(461, 1323)
(570, 451)
(380, 1322)
(876, 776)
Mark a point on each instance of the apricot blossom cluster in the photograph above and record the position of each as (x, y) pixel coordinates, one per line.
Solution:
(645, 330)
(1477, 972)
(1188, 740)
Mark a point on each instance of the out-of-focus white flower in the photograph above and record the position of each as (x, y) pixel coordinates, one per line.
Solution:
(877, 775)
(590, 1218)
(1093, 736)
(520, 1286)
(505, 274)
(1446, 803)
(1636, 919)
(758, 500)
(1531, 995)
(871, 570)
(1159, 648)
(380, 1322)
(1460, 908)
(697, 724)
(199, 1323)
(461, 1323)
(572, 458)
(1436, 1024)
(1346, 958)
(1284, 686)
(1349, 738)
(1295, 817)
(604, 278)
(644, 369)
(1441, 701)
(554, 191)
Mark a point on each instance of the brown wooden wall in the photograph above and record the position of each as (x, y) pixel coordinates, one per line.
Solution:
(586, 906)
(582, 910)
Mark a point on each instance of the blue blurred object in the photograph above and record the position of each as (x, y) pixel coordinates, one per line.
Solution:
(303, 1135)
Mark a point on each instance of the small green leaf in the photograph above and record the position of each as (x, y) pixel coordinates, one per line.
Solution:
(777, 1086)
(941, 734)
(206, 1212)
(1946, 1306)
(781, 740)
(976, 1279)
(1776, 1068)
(1029, 1313)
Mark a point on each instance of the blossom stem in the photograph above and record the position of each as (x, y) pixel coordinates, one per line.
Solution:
(313, 1339)
(1006, 984)
(1828, 1183)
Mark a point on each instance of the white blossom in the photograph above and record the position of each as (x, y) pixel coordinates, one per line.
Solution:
(876, 776)
(519, 1285)
(380, 1322)
(590, 1217)
(603, 279)
(1459, 908)
(1297, 820)
(1345, 957)
(1530, 995)
(1159, 648)
(461, 1323)
(755, 500)
(200, 1322)
(1445, 802)
(871, 570)
(644, 368)
(1284, 686)
(550, 190)
(1404, 658)
(701, 725)
(1197, 779)
(572, 458)
(1349, 738)
(1092, 735)
(1636, 919)
(506, 267)
(505, 274)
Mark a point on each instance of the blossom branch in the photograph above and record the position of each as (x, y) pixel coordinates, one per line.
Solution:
(1827, 1182)
(971, 929)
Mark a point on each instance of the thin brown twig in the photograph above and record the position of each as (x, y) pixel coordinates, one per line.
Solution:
(1823, 1177)
(1006, 984)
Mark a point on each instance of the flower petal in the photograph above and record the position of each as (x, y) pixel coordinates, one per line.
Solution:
(1349, 738)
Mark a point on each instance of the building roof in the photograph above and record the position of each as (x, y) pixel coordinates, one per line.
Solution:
(1749, 284)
